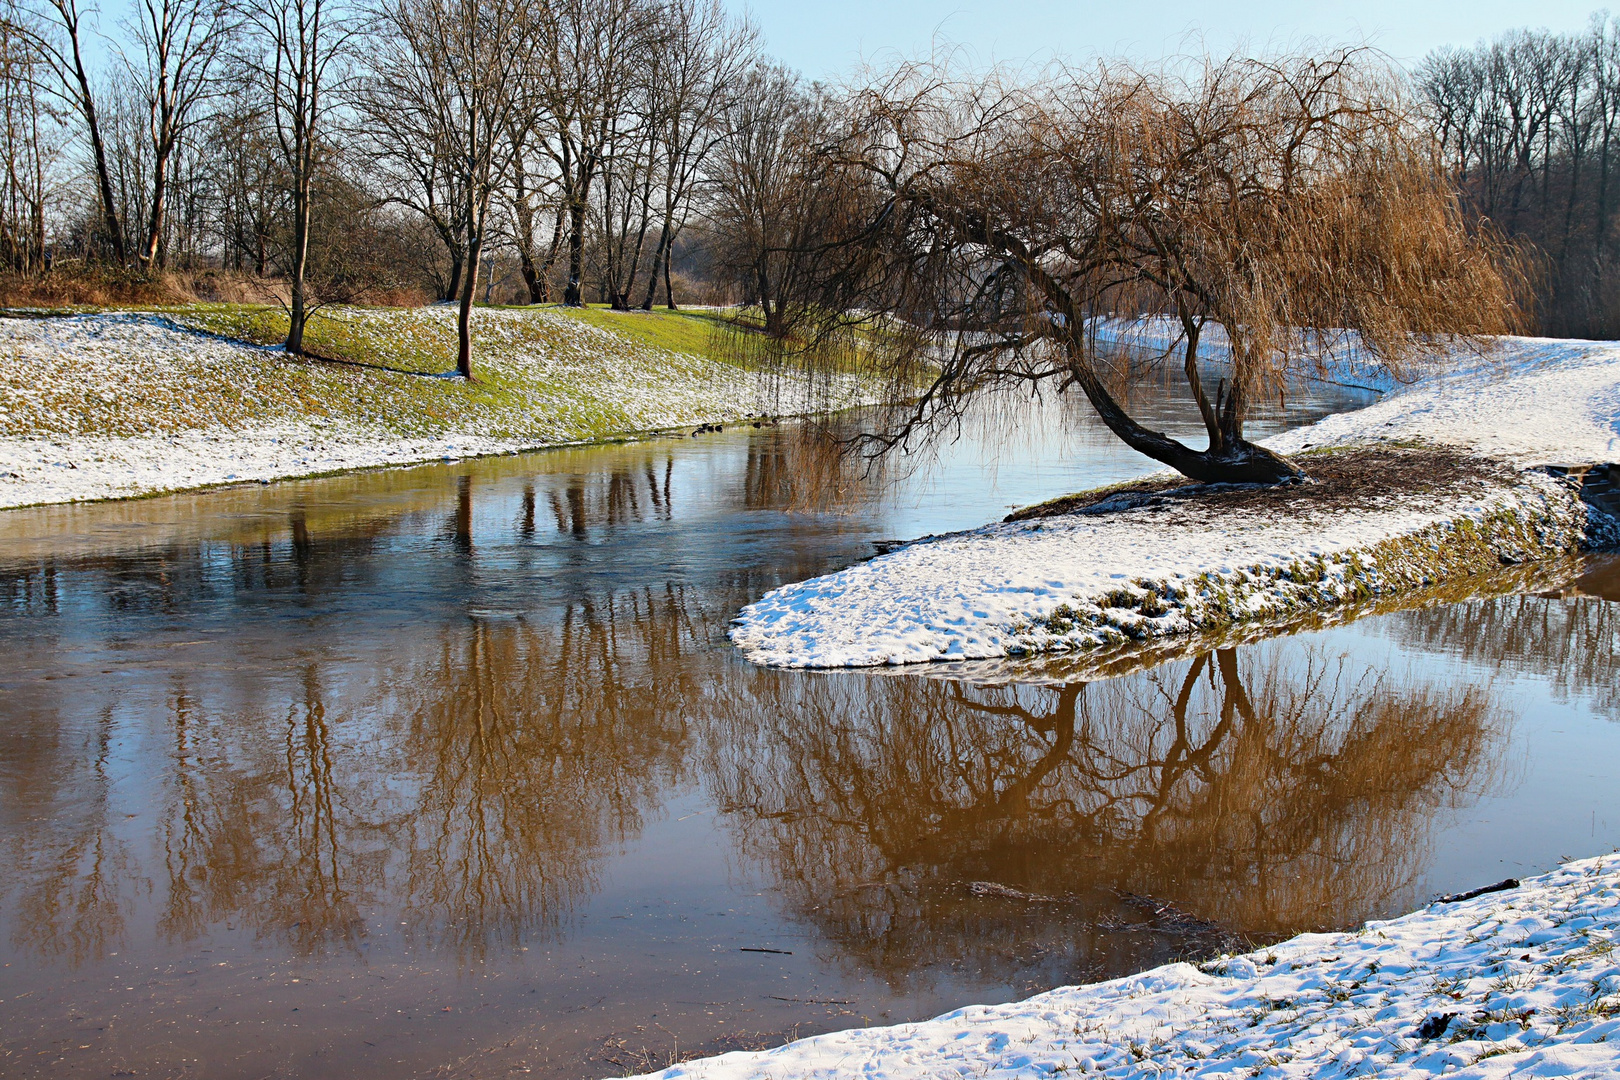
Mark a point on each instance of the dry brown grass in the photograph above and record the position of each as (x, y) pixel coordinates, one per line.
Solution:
(81, 286)
(92, 287)
(1357, 478)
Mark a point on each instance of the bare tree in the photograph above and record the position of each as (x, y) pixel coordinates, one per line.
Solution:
(26, 142)
(295, 44)
(1529, 126)
(1290, 203)
(403, 118)
(583, 74)
(768, 202)
(707, 55)
(466, 65)
(64, 53)
(179, 42)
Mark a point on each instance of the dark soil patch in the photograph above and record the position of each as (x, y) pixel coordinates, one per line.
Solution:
(1351, 479)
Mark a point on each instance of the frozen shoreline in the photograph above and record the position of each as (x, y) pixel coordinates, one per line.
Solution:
(1521, 982)
(1145, 568)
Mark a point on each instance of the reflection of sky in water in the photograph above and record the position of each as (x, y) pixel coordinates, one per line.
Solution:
(468, 737)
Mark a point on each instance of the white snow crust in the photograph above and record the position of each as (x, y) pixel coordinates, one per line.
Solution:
(1008, 589)
(1519, 983)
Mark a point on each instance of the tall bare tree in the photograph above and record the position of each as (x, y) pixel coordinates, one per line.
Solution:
(767, 206)
(294, 47)
(467, 65)
(26, 141)
(707, 54)
(583, 73)
(178, 43)
(64, 51)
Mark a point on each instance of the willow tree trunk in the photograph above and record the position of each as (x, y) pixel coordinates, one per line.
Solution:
(1230, 460)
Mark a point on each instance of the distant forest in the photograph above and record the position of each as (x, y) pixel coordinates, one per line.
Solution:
(627, 152)
(1529, 127)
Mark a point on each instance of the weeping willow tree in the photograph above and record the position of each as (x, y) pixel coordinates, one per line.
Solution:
(1290, 208)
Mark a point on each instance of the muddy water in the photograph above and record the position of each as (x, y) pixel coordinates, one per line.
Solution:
(448, 771)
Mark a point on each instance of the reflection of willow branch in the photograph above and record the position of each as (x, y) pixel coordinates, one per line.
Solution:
(1265, 796)
(806, 466)
(539, 748)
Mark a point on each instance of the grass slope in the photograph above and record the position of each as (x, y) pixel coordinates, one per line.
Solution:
(544, 373)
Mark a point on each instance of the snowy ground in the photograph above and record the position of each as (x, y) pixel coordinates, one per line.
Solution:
(1516, 983)
(1135, 569)
(104, 406)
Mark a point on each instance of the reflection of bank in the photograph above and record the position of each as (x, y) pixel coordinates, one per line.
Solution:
(1264, 792)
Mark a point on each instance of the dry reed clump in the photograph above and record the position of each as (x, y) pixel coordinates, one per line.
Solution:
(97, 286)
(86, 286)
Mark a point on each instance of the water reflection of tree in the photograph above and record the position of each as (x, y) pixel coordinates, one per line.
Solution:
(1570, 642)
(1265, 796)
(532, 752)
(69, 892)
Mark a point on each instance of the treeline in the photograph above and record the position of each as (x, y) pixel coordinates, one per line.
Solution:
(1529, 127)
(467, 149)
(615, 151)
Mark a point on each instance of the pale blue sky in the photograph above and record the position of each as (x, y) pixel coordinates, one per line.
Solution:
(826, 38)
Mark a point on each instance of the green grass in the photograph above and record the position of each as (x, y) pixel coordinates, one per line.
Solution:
(536, 377)
(696, 332)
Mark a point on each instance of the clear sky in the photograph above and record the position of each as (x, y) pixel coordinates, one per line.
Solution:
(826, 38)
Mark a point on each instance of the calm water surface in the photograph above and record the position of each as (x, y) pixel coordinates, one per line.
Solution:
(449, 771)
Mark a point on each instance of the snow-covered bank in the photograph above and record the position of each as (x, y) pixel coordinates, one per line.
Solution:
(1523, 982)
(1174, 562)
(106, 406)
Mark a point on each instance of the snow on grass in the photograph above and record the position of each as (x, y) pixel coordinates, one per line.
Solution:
(1520, 983)
(1144, 568)
(100, 406)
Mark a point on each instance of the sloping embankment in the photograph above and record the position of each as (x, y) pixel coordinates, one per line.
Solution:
(113, 405)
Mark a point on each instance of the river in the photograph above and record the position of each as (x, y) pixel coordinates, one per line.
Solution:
(450, 771)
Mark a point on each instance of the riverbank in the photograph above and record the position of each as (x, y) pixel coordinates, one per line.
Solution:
(110, 405)
(1438, 480)
(1519, 982)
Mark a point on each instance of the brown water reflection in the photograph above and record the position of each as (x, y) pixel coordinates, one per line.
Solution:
(1258, 794)
(450, 770)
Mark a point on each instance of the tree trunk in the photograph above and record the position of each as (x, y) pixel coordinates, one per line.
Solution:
(475, 246)
(109, 207)
(453, 291)
(669, 289)
(762, 282)
(1235, 461)
(154, 223)
(572, 296)
(296, 313)
(531, 276)
(657, 268)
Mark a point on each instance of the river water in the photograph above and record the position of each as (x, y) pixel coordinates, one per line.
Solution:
(449, 771)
